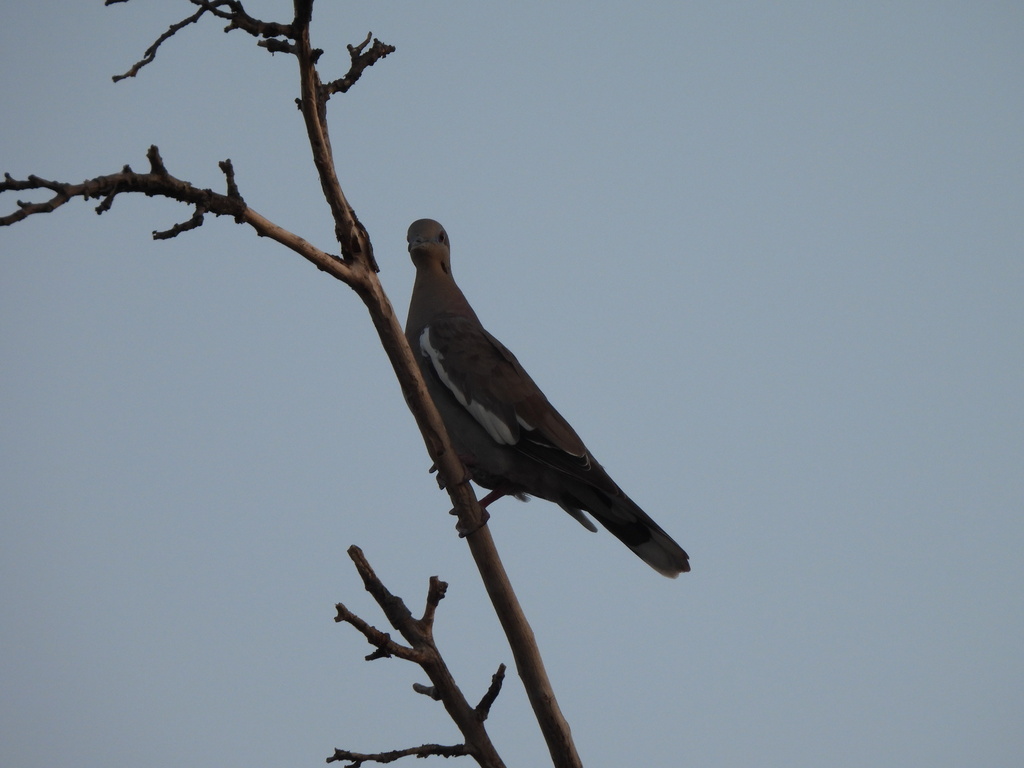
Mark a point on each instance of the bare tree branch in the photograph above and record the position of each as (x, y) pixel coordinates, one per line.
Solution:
(150, 53)
(386, 647)
(427, 750)
(361, 59)
(483, 709)
(157, 183)
(423, 651)
(235, 14)
(350, 232)
(239, 19)
(435, 595)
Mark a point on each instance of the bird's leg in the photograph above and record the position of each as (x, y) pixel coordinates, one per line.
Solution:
(494, 495)
(467, 463)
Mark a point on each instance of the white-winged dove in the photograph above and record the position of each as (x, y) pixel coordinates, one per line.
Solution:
(511, 439)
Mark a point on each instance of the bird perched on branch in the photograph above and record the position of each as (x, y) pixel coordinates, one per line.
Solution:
(511, 439)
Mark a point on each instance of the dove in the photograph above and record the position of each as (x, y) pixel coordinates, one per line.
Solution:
(511, 439)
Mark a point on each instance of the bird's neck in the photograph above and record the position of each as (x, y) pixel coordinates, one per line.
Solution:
(435, 293)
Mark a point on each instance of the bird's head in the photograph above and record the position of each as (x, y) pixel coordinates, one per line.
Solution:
(428, 245)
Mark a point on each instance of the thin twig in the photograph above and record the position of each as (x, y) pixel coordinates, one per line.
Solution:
(386, 647)
(483, 709)
(427, 750)
(237, 18)
(361, 59)
(150, 53)
(435, 594)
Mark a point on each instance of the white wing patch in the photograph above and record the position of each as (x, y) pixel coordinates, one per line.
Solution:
(495, 426)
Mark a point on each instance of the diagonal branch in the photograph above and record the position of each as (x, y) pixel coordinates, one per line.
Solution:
(361, 59)
(159, 183)
(150, 53)
(386, 647)
(483, 709)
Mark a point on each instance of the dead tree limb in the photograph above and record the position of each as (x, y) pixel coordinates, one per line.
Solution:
(357, 268)
(421, 649)
(426, 750)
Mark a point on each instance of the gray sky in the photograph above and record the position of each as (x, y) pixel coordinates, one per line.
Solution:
(767, 259)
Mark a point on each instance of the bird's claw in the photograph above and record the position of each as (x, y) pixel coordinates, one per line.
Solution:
(465, 531)
(467, 462)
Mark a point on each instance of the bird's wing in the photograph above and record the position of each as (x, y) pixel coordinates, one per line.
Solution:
(488, 381)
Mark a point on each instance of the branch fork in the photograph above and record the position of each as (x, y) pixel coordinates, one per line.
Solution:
(421, 650)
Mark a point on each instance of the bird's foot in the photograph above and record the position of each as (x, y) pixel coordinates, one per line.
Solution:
(465, 531)
(467, 462)
(440, 480)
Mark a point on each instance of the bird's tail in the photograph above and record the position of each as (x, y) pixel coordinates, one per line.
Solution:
(633, 527)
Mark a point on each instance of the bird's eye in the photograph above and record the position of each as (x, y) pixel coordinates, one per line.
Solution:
(442, 237)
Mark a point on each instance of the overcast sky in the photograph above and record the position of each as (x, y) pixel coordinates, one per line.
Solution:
(768, 259)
